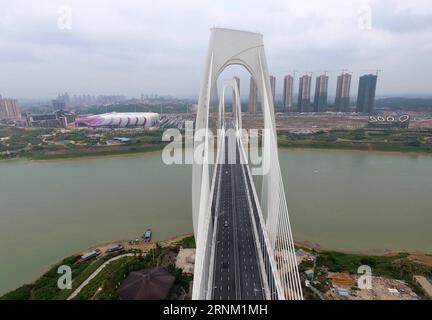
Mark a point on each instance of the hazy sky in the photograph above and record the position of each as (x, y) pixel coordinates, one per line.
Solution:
(131, 47)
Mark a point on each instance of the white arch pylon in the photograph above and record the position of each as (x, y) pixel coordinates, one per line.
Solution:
(229, 47)
(232, 83)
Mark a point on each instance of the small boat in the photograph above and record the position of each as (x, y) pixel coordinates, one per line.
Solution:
(90, 255)
(147, 235)
(114, 247)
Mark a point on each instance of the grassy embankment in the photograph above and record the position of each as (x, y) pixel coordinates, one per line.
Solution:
(45, 144)
(45, 288)
(361, 139)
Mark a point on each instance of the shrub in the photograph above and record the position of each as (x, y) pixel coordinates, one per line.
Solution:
(188, 242)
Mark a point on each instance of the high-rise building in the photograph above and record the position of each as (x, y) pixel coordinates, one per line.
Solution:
(288, 93)
(9, 109)
(253, 96)
(62, 102)
(342, 100)
(320, 99)
(303, 103)
(58, 104)
(273, 88)
(366, 93)
(77, 101)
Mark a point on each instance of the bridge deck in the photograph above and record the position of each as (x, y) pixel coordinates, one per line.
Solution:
(236, 272)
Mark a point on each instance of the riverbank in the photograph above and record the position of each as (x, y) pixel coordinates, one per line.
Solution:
(135, 153)
(84, 155)
(407, 152)
(361, 139)
(372, 252)
(127, 245)
(145, 246)
(93, 154)
(415, 256)
(95, 157)
(35, 145)
(140, 245)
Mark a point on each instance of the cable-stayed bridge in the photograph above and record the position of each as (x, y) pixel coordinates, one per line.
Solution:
(244, 243)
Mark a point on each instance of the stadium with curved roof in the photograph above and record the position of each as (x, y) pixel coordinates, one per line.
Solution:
(114, 119)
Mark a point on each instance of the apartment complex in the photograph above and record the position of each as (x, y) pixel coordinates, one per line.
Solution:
(320, 98)
(366, 94)
(342, 100)
(303, 103)
(288, 93)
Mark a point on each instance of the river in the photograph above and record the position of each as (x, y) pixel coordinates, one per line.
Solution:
(346, 201)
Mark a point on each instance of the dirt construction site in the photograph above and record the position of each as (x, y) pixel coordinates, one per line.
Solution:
(344, 287)
(312, 122)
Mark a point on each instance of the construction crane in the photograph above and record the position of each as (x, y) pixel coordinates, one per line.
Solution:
(293, 72)
(377, 71)
(325, 72)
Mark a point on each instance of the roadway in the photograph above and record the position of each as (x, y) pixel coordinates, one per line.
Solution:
(236, 272)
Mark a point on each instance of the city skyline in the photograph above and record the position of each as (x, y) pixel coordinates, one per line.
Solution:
(139, 53)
